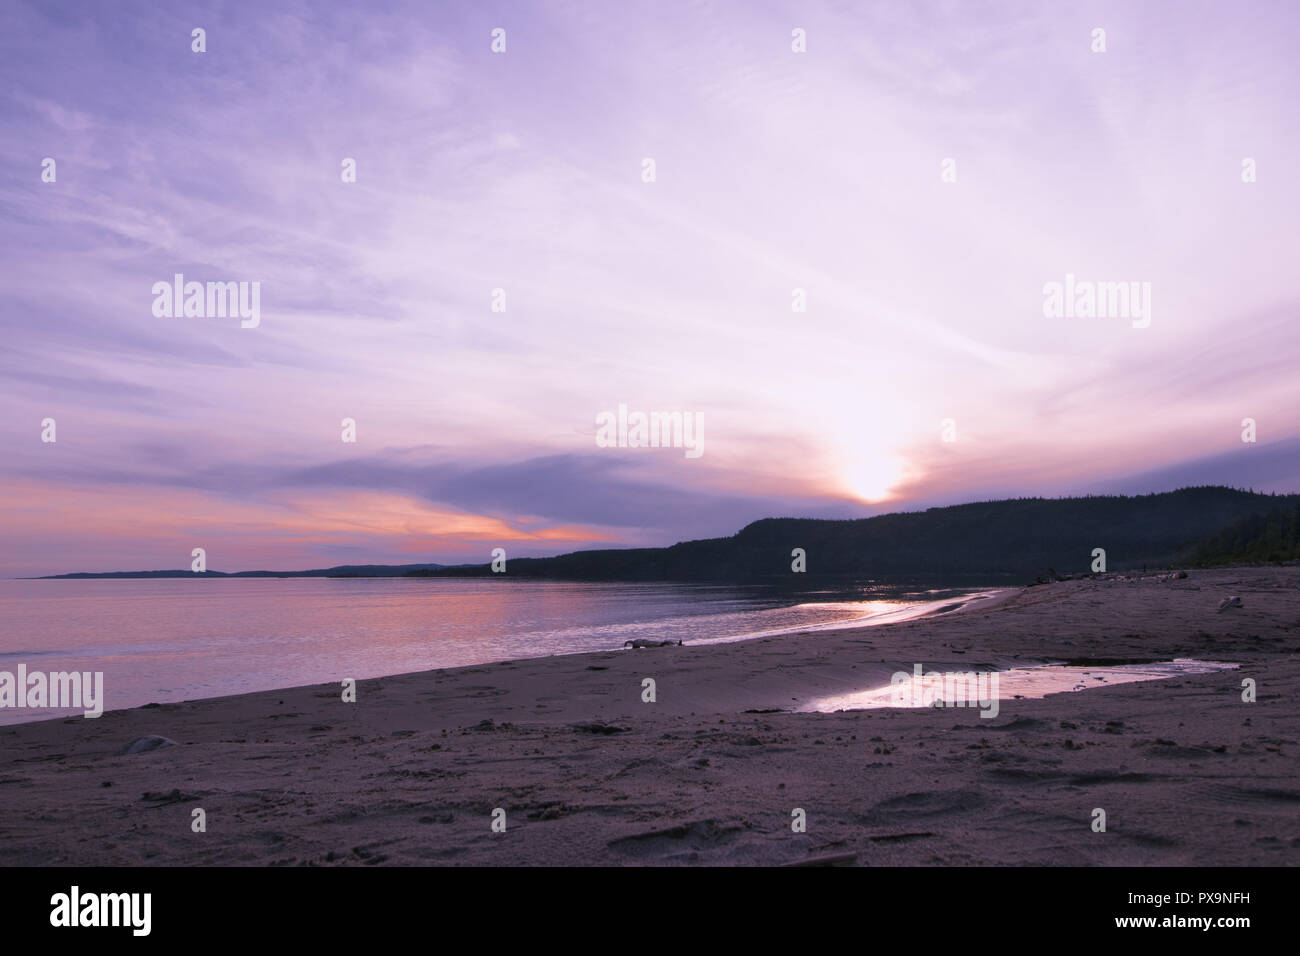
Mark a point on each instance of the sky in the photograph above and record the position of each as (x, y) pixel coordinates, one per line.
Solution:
(504, 269)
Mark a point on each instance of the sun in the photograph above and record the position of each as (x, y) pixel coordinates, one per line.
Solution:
(871, 478)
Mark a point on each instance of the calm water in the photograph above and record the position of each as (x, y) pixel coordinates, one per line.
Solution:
(177, 639)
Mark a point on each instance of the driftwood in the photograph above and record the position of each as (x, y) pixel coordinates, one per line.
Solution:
(645, 642)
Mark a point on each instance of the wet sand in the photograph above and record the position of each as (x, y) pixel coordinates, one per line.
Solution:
(710, 773)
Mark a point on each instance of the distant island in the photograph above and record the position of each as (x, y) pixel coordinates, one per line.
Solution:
(342, 571)
(987, 541)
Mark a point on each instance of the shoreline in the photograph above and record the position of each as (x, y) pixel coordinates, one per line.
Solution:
(588, 773)
(905, 612)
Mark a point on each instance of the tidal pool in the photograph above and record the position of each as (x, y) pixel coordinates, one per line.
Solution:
(971, 688)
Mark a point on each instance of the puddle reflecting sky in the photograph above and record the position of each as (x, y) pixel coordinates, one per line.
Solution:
(1019, 682)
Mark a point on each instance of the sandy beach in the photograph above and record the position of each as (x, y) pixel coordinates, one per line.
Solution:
(710, 772)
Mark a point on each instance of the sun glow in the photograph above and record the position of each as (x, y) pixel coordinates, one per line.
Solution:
(871, 478)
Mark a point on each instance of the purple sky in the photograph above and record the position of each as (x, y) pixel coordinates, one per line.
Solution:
(522, 170)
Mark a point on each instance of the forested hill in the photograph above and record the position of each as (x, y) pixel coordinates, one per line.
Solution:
(994, 540)
(1255, 539)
